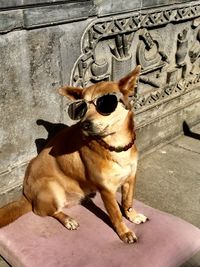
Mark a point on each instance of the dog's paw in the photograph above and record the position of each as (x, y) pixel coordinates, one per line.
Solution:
(136, 218)
(129, 237)
(139, 218)
(71, 224)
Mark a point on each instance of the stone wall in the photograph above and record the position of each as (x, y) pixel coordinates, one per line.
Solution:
(47, 43)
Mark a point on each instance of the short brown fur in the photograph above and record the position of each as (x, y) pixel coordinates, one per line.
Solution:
(75, 164)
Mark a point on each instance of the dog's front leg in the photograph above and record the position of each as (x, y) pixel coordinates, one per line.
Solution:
(114, 212)
(128, 189)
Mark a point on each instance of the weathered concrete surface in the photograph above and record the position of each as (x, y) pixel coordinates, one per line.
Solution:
(10, 20)
(154, 131)
(60, 13)
(105, 7)
(33, 65)
(3, 263)
(169, 178)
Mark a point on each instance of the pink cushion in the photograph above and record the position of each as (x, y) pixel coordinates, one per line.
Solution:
(164, 241)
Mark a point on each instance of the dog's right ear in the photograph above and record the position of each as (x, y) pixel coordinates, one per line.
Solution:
(71, 92)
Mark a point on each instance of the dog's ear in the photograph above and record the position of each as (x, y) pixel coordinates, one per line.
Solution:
(71, 92)
(128, 83)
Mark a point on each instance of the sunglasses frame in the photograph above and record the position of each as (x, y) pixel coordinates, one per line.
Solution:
(94, 102)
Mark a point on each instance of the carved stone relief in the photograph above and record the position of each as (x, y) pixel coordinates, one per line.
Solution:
(166, 43)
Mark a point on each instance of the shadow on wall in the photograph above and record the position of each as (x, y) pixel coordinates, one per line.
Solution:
(188, 132)
(52, 129)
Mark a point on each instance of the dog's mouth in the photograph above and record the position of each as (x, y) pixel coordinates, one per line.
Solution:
(89, 129)
(94, 133)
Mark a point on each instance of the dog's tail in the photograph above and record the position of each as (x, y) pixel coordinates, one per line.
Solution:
(14, 210)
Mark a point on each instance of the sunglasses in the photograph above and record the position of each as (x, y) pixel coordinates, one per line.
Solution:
(105, 105)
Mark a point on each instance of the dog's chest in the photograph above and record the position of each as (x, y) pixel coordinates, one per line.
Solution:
(116, 171)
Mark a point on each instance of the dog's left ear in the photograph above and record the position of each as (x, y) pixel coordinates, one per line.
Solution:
(71, 92)
(128, 83)
(127, 86)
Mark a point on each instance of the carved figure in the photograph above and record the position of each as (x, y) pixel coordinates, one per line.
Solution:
(182, 47)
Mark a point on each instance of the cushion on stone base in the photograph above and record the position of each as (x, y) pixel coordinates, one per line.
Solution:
(164, 241)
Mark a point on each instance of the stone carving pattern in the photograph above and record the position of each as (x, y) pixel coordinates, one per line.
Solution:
(115, 37)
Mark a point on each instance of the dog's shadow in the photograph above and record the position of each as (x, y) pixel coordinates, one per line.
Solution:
(89, 204)
(52, 129)
(187, 131)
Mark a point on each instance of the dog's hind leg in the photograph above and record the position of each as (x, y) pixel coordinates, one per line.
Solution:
(66, 220)
(50, 201)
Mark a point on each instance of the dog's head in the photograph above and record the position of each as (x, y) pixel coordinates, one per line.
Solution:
(103, 107)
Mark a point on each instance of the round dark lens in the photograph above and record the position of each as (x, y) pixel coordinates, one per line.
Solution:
(77, 110)
(106, 104)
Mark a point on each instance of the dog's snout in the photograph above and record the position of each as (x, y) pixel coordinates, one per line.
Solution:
(86, 125)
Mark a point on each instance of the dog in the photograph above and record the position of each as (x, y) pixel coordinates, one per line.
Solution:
(98, 153)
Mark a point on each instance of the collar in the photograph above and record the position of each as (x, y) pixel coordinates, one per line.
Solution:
(117, 149)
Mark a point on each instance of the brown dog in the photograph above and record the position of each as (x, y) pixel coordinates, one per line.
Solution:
(96, 154)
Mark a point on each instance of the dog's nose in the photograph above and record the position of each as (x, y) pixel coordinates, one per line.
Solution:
(86, 125)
